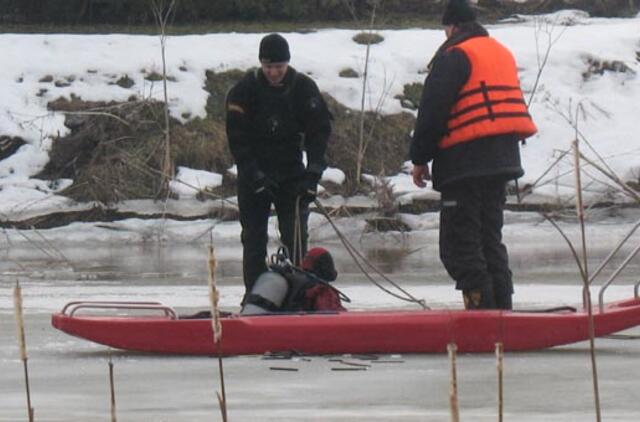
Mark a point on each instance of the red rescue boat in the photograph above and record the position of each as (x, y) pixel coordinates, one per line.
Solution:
(420, 331)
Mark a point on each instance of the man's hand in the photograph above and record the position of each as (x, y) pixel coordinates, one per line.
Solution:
(420, 174)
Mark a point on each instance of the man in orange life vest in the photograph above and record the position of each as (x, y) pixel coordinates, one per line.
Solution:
(471, 117)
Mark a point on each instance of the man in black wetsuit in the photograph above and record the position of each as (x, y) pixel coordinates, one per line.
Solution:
(273, 114)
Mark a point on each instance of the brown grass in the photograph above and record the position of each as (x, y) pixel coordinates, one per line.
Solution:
(388, 145)
(218, 86)
(114, 151)
(201, 144)
(411, 96)
(348, 73)
(368, 38)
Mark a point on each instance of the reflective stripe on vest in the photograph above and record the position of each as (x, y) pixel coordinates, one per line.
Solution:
(491, 102)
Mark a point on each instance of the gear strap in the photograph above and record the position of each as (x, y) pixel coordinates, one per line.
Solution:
(260, 301)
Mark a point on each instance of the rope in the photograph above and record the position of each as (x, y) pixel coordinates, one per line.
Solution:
(296, 254)
(359, 259)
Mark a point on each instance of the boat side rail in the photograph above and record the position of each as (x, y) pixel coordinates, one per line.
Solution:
(613, 277)
(72, 307)
(615, 250)
(617, 271)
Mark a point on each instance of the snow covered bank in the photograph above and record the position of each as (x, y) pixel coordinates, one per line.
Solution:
(590, 78)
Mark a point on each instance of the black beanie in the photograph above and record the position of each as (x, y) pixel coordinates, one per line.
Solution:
(274, 49)
(457, 12)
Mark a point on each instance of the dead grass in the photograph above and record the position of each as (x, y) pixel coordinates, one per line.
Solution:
(154, 76)
(125, 82)
(411, 96)
(218, 86)
(114, 151)
(9, 145)
(597, 66)
(201, 144)
(368, 38)
(348, 73)
(386, 224)
(388, 145)
(75, 103)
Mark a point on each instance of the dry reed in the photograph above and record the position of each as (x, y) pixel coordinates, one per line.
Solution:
(17, 305)
(214, 297)
(112, 390)
(500, 367)
(586, 293)
(453, 392)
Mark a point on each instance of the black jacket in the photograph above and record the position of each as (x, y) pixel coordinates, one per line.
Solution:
(268, 127)
(490, 156)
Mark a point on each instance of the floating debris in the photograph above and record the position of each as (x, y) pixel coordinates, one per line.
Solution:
(366, 357)
(351, 363)
(285, 354)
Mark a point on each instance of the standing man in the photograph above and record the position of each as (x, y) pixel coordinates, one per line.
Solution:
(471, 117)
(274, 113)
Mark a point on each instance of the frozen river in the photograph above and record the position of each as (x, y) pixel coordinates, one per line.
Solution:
(69, 376)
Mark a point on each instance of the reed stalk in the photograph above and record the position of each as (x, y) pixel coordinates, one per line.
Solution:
(586, 293)
(113, 391)
(499, 363)
(453, 392)
(214, 298)
(162, 11)
(365, 75)
(17, 306)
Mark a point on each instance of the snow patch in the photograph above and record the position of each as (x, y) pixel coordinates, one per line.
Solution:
(189, 182)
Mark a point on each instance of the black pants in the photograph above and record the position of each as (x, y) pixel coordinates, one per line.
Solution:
(471, 247)
(255, 209)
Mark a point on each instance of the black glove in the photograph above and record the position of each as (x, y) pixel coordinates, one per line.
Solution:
(264, 185)
(308, 187)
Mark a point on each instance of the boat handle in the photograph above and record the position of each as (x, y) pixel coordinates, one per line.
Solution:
(105, 302)
(76, 306)
(636, 290)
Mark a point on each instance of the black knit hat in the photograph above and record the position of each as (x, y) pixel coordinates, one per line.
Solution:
(274, 49)
(457, 12)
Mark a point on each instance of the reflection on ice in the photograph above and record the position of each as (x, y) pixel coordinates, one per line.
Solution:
(152, 388)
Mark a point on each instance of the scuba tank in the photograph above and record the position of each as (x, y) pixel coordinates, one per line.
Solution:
(267, 295)
(286, 288)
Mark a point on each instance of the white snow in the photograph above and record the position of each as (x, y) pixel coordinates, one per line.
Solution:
(603, 107)
(188, 182)
(333, 175)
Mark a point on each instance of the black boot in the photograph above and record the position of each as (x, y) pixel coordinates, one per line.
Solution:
(503, 300)
(480, 298)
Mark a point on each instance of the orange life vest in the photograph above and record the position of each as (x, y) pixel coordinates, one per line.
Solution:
(491, 102)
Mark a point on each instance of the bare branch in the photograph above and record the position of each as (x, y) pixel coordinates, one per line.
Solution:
(566, 238)
(548, 28)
